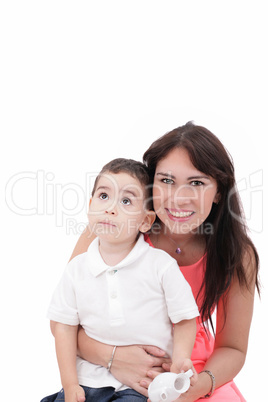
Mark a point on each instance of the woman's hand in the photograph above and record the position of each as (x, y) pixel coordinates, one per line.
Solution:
(131, 364)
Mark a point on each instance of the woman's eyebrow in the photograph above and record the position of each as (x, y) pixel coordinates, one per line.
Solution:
(165, 174)
(198, 177)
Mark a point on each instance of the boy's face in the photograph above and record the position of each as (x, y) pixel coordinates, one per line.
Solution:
(116, 211)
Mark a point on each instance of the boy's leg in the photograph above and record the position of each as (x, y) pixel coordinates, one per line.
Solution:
(50, 398)
(129, 395)
(60, 396)
(104, 394)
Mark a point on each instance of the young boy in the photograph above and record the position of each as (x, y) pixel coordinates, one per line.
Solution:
(122, 291)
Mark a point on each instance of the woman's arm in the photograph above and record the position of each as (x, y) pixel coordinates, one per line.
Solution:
(232, 333)
(231, 339)
(93, 351)
(83, 242)
(130, 363)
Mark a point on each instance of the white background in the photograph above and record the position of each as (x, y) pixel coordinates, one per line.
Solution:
(83, 82)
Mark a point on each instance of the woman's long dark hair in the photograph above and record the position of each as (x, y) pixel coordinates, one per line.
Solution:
(227, 244)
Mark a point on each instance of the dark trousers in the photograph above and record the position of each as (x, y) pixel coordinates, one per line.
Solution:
(105, 394)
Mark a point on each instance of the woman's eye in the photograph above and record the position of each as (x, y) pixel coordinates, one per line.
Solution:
(104, 196)
(196, 183)
(126, 201)
(168, 181)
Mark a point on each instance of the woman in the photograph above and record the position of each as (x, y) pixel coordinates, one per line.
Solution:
(199, 223)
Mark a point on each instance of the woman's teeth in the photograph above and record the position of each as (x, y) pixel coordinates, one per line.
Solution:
(180, 214)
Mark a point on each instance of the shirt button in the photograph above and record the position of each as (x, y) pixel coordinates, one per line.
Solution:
(113, 272)
(113, 295)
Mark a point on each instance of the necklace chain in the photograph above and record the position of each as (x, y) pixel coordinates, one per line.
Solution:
(178, 249)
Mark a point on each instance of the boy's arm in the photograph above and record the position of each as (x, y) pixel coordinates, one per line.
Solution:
(183, 343)
(66, 349)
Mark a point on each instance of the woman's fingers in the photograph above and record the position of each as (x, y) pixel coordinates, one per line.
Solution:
(145, 382)
(159, 357)
(142, 390)
(154, 351)
(152, 374)
(166, 365)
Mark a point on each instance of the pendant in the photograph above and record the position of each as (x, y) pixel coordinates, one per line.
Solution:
(178, 250)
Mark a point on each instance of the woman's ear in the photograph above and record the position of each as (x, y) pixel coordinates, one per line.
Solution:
(147, 221)
(217, 198)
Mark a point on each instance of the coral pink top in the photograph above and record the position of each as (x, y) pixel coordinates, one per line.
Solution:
(204, 345)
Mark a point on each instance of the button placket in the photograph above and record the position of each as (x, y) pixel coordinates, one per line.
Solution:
(116, 311)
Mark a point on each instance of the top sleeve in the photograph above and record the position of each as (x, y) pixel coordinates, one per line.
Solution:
(63, 307)
(180, 301)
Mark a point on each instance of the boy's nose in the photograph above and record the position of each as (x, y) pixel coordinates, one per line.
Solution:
(111, 211)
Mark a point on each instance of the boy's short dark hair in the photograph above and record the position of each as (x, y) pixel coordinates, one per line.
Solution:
(136, 169)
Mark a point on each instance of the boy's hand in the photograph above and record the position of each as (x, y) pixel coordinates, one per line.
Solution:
(74, 393)
(183, 366)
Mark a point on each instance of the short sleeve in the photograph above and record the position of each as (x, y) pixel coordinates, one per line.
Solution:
(63, 307)
(180, 301)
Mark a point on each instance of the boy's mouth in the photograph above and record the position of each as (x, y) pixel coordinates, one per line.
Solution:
(108, 223)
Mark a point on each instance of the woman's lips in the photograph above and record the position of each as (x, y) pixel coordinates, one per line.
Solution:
(179, 215)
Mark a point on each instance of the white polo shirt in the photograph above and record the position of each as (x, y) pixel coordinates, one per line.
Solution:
(133, 302)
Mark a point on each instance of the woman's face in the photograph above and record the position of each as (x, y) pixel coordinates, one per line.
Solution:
(183, 196)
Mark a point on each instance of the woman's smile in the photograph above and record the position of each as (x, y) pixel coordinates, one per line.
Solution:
(180, 215)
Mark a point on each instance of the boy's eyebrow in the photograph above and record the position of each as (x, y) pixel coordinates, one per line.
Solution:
(130, 192)
(102, 188)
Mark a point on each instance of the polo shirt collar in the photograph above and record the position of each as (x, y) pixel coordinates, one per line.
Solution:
(96, 264)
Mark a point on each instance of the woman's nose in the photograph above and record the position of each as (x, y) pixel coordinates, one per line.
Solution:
(184, 195)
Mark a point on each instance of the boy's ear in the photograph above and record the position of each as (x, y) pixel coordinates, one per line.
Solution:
(147, 221)
(89, 204)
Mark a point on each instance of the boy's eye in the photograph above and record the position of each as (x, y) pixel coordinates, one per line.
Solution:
(126, 201)
(168, 181)
(104, 196)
